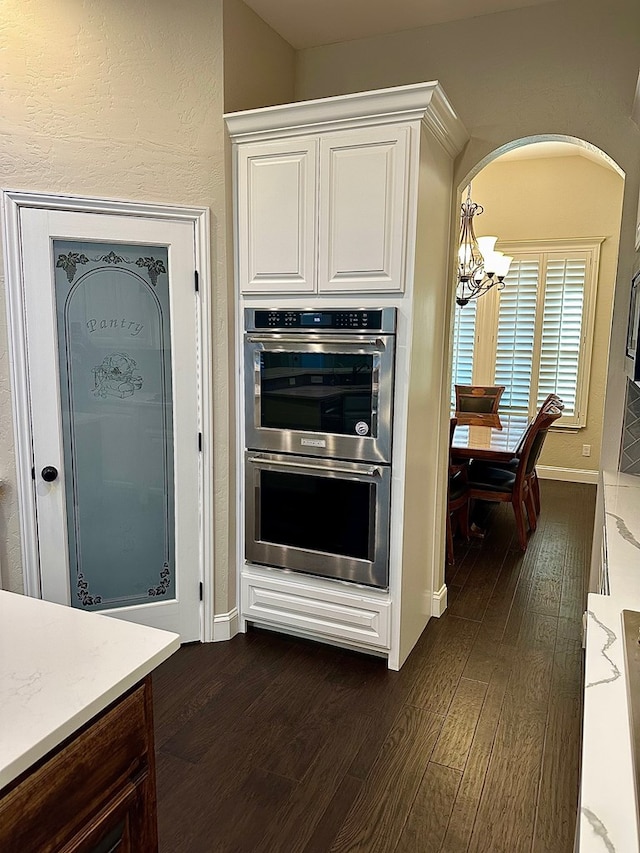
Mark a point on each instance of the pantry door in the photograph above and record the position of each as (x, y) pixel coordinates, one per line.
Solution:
(112, 337)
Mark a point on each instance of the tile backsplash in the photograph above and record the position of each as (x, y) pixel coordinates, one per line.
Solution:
(630, 456)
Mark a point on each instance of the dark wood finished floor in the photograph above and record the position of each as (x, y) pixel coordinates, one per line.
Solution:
(269, 744)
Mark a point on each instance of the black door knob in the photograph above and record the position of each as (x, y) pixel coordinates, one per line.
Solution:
(49, 474)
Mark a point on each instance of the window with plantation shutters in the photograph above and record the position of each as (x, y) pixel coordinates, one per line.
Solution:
(464, 335)
(562, 320)
(516, 334)
(535, 335)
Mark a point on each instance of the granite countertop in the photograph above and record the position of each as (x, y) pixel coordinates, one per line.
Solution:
(608, 821)
(622, 524)
(59, 667)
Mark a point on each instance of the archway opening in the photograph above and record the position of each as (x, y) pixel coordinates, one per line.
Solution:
(555, 204)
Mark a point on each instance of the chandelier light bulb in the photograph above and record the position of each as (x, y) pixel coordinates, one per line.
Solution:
(492, 262)
(487, 245)
(502, 265)
(465, 255)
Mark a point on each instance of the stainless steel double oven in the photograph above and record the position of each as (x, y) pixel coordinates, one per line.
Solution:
(318, 431)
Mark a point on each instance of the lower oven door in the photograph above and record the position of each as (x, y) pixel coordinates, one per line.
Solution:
(319, 516)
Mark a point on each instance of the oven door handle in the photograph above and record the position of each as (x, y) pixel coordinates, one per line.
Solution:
(372, 471)
(325, 339)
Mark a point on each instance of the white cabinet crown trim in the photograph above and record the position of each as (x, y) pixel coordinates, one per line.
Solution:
(425, 102)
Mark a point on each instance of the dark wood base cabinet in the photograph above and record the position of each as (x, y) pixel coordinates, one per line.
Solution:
(96, 793)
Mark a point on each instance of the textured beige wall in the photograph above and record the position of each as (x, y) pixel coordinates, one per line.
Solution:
(118, 99)
(259, 65)
(565, 67)
(555, 198)
(568, 67)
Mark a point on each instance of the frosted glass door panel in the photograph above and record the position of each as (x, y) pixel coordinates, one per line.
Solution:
(114, 348)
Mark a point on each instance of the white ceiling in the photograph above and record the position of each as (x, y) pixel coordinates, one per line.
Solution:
(308, 23)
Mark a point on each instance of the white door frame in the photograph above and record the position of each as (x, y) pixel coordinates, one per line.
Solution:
(12, 202)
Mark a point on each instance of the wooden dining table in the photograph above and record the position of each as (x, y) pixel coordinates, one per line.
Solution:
(493, 437)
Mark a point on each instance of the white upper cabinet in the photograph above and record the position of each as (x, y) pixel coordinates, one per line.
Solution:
(336, 225)
(362, 207)
(326, 191)
(277, 216)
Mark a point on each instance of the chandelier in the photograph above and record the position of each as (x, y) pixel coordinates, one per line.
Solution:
(480, 267)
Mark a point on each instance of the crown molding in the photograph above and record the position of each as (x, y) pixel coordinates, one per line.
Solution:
(424, 102)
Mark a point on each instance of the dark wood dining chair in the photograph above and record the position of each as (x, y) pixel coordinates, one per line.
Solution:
(457, 497)
(552, 400)
(500, 483)
(512, 465)
(479, 399)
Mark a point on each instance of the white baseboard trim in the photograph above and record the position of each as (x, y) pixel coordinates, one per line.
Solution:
(439, 601)
(569, 475)
(225, 625)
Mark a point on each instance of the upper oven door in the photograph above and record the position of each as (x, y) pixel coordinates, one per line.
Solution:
(321, 395)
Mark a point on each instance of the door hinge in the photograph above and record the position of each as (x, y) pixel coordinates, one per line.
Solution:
(200, 442)
(196, 279)
(33, 473)
(201, 590)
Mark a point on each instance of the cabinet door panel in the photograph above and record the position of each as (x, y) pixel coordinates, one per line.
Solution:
(363, 200)
(277, 216)
(293, 604)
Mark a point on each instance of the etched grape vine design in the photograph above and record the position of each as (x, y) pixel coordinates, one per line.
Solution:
(70, 262)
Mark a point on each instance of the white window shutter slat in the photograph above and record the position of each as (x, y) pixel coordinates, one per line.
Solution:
(516, 334)
(562, 330)
(464, 336)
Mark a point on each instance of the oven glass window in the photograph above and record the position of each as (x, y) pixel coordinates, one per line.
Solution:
(317, 513)
(317, 392)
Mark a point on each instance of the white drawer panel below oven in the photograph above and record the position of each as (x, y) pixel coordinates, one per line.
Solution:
(319, 611)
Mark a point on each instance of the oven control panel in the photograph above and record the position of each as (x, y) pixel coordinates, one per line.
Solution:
(377, 320)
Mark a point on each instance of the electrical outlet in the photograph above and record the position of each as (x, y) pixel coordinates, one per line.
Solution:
(586, 450)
